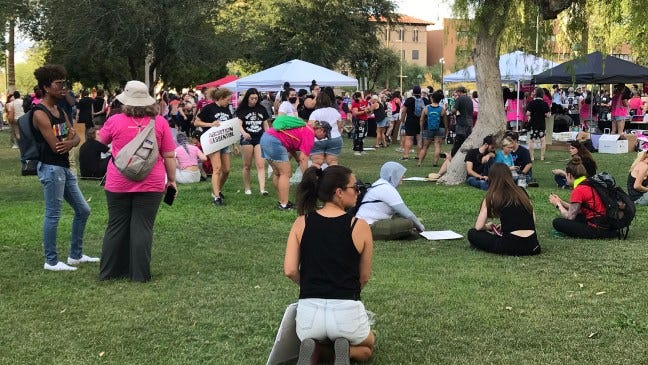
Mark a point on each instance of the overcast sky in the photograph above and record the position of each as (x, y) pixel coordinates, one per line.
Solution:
(433, 11)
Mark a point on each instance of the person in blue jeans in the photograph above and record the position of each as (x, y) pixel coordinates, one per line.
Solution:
(478, 161)
(55, 137)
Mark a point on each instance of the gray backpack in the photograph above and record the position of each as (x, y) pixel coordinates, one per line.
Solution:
(136, 159)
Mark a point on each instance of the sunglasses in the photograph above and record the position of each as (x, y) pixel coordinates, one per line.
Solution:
(355, 187)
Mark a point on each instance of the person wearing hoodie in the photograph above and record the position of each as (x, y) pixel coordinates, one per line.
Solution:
(384, 209)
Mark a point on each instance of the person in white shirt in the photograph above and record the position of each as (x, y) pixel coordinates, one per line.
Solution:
(327, 149)
(384, 209)
(289, 106)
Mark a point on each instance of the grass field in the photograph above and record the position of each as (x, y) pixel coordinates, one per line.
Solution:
(218, 290)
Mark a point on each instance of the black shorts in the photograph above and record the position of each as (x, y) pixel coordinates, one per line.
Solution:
(412, 128)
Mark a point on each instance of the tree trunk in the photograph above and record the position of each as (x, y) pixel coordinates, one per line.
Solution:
(11, 61)
(491, 120)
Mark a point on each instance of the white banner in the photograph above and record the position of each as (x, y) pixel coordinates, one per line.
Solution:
(217, 138)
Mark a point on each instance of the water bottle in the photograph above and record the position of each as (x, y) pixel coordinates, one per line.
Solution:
(522, 181)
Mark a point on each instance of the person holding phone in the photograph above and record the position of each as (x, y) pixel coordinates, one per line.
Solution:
(516, 235)
(133, 205)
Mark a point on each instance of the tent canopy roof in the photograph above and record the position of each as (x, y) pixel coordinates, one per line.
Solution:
(594, 69)
(298, 73)
(515, 66)
(217, 83)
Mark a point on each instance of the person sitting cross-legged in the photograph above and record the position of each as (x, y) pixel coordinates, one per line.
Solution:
(504, 200)
(478, 161)
(585, 205)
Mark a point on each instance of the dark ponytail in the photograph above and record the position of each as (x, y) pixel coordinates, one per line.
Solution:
(318, 184)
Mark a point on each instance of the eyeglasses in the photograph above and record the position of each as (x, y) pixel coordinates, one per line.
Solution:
(355, 187)
(61, 83)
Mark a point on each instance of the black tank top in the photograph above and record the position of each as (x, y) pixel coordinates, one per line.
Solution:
(516, 217)
(60, 129)
(329, 261)
(632, 192)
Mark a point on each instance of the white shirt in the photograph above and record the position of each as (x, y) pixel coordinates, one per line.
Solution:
(381, 190)
(288, 109)
(17, 108)
(330, 116)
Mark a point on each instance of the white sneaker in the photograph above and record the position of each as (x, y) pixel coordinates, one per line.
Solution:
(58, 267)
(14, 146)
(83, 259)
(357, 153)
(248, 192)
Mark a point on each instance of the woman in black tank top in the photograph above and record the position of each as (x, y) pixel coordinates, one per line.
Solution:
(328, 254)
(516, 235)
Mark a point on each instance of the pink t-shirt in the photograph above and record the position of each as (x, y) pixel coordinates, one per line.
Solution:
(187, 159)
(511, 106)
(618, 109)
(297, 139)
(121, 129)
(635, 103)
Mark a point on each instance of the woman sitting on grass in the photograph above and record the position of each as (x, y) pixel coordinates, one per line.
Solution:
(637, 182)
(384, 209)
(329, 254)
(516, 235)
(576, 149)
(584, 205)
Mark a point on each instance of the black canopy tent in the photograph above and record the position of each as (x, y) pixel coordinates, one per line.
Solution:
(594, 69)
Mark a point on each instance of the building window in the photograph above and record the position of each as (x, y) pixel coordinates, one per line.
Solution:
(415, 35)
(401, 34)
(415, 54)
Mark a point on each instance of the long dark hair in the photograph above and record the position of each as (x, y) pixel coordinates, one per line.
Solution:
(503, 191)
(323, 100)
(318, 184)
(244, 104)
(583, 152)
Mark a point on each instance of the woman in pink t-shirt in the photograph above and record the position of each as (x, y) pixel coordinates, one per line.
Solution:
(133, 205)
(619, 110)
(275, 147)
(187, 156)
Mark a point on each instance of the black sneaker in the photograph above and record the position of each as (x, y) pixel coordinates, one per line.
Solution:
(289, 206)
(218, 201)
(220, 195)
(533, 184)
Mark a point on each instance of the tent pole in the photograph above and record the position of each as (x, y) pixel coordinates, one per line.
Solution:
(517, 109)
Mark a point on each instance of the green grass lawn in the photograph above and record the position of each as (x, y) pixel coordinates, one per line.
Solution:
(218, 290)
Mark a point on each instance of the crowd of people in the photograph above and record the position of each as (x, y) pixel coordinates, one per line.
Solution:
(307, 125)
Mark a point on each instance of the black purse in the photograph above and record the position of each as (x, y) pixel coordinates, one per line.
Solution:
(29, 168)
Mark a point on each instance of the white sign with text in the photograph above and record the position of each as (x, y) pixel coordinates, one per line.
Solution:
(217, 138)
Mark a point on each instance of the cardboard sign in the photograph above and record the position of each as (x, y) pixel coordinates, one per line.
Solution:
(217, 138)
(286, 345)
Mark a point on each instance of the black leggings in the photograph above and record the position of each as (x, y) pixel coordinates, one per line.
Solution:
(507, 244)
(579, 228)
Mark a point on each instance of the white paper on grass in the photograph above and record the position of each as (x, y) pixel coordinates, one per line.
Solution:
(441, 235)
(286, 345)
(414, 178)
(217, 138)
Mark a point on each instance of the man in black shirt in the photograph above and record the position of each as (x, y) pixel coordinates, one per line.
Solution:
(522, 159)
(56, 137)
(478, 161)
(90, 162)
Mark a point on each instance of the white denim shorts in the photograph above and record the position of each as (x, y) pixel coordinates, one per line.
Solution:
(323, 319)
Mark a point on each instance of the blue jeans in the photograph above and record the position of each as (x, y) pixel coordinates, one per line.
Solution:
(59, 183)
(473, 181)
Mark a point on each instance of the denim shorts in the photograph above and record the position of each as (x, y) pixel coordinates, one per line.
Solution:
(330, 146)
(250, 142)
(428, 134)
(272, 149)
(322, 319)
(619, 118)
(383, 123)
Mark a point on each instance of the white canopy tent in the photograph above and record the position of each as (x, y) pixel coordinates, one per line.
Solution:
(514, 67)
(298, 73)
